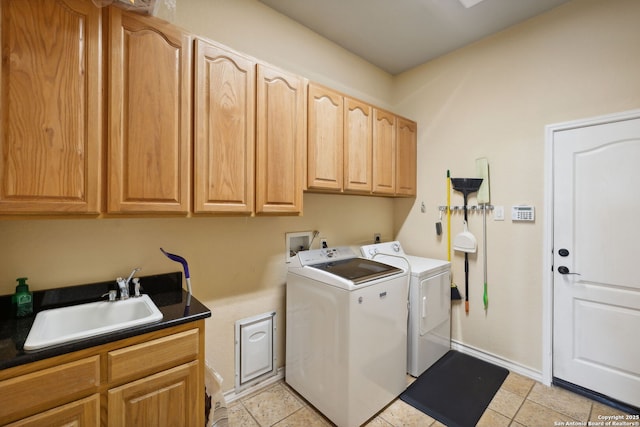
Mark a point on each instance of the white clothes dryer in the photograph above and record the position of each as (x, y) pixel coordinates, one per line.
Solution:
(429, 325)
(346, 337)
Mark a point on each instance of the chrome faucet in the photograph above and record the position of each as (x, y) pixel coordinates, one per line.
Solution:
(124, 284)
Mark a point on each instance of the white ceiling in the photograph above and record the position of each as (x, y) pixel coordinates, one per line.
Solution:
(397, 35)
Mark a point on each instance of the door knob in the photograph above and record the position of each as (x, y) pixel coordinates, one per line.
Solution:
(565, 270)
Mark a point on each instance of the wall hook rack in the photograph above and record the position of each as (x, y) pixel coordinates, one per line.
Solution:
(470, 208)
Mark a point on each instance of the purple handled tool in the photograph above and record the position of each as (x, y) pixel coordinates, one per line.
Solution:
(185, 266)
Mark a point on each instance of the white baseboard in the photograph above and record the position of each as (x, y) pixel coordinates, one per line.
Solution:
(231, 395)
(497, 360)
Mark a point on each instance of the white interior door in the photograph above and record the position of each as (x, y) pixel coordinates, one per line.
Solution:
(596, 232)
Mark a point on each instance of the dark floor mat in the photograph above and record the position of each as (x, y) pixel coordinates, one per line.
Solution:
(456, 390)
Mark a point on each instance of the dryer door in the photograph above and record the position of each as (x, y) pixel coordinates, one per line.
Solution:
(435, 302)
(430, 338)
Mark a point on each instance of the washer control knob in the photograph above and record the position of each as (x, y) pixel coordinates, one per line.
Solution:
(396, 247)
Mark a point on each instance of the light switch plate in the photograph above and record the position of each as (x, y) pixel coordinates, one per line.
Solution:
(498, 213)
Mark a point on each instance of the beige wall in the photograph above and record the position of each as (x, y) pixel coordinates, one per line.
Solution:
(237, 264)
(493, 99)
(490, 99)
(255, 29)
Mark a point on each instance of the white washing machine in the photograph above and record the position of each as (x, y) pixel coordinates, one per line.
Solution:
(346, 333)
(429, 327)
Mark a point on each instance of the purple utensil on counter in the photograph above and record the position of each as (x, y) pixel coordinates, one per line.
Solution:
(185, 265)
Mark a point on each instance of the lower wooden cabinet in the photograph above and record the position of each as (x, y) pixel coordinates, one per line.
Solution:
(49, 387)
(84, 412)
(155, 379)
(168, 398)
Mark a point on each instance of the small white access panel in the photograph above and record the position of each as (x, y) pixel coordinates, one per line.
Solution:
(255, 349)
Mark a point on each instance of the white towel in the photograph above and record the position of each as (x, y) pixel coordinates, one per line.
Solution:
(218, 417)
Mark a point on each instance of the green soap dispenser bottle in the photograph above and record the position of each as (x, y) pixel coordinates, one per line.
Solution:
(23, 299)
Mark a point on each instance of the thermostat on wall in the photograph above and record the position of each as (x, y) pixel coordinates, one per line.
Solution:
(522, 213)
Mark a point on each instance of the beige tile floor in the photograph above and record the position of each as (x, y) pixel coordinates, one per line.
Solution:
(519, 402)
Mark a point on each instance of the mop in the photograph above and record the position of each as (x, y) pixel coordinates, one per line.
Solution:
(482, 170)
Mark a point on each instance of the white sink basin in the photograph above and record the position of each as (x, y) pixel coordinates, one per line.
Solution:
(73, 323)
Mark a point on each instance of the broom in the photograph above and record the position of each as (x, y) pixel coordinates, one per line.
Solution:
(455, 293)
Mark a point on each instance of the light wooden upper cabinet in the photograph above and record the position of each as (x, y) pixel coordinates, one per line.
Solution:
(149, 118)
(358, 141)
(325, 139)
(339, 142)
(354, 147)
(406, 157)
(224, 130)
(244, 124)
(51, 103)
(384, 152)
(280, 141)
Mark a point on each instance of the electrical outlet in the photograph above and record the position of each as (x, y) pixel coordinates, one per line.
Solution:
(323, 243)
(376, 238)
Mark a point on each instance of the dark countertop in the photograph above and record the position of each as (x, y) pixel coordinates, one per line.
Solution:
(164, 289)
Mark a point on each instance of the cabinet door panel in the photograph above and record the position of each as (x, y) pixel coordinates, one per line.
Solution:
(149, 116)
(224, 130)
(169, 398)
(85, 413)
(384, 152)
(47, 388)
(51, 106)
(325, 139)
(151, 356)
(280, 144)
(406, 157)
(357, 146)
